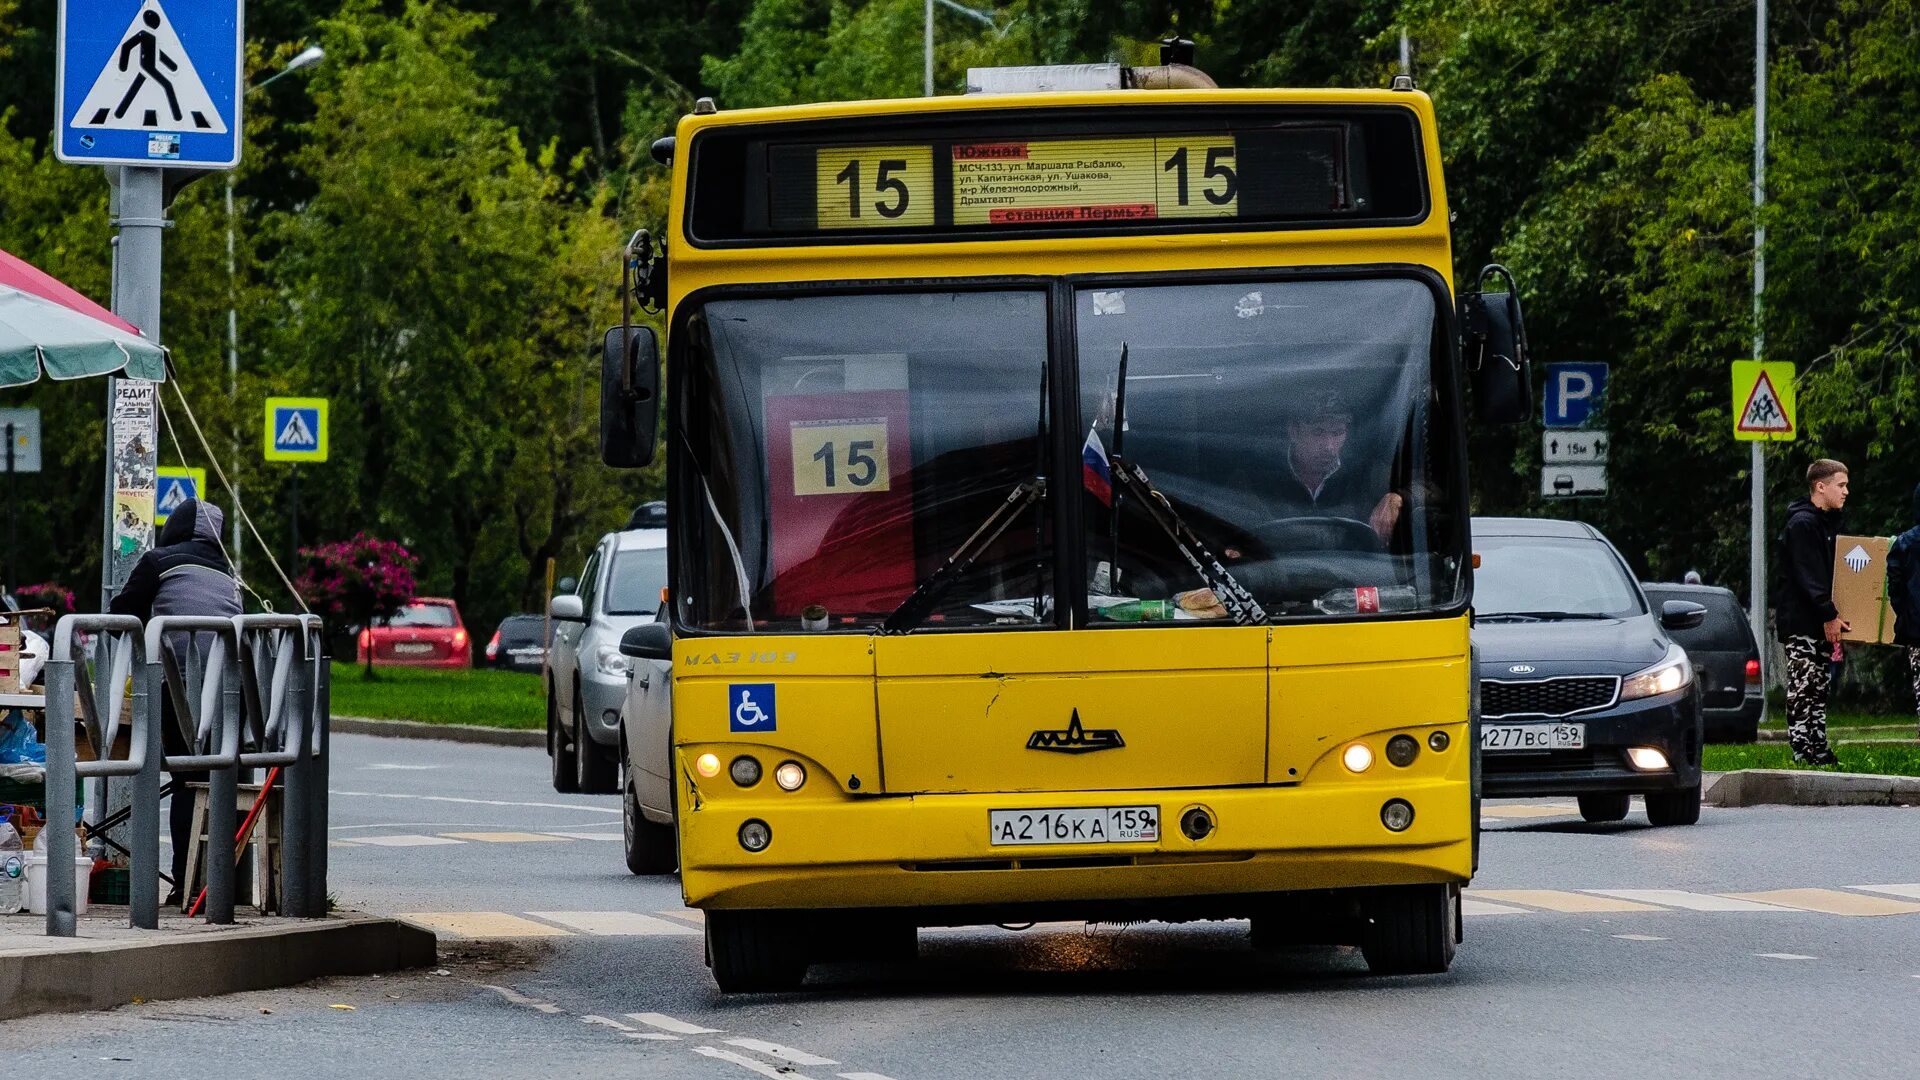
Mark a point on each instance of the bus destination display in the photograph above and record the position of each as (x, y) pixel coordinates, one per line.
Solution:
(1092, 180)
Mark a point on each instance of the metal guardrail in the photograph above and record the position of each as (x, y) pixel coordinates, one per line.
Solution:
(250, 691)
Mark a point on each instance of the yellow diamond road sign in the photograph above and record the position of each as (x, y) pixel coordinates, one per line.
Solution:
(1763, 402)
(296, 429)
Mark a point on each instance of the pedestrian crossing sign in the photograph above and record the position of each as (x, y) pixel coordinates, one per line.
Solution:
(147, 82)
(1763, 402)
(174, 486)
(296, 429)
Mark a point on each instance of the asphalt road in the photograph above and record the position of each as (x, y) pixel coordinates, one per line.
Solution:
(1762, 942)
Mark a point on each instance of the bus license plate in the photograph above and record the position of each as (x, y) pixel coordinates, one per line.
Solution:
(1080, 825)
(1536, 737)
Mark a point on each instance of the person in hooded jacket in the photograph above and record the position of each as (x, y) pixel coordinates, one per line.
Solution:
(186, 573)
(1805, 619)
(1903, 594)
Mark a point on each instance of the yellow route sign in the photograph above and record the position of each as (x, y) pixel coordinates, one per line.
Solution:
(1763, 402)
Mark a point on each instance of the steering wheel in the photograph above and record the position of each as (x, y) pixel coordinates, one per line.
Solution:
(1325, 533)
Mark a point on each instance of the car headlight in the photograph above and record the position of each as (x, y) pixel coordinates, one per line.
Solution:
(611, 663)
(1673, 672)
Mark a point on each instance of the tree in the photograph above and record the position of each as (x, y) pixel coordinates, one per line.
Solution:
(356, 582)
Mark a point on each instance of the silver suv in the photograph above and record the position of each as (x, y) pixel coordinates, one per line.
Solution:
(587, 676)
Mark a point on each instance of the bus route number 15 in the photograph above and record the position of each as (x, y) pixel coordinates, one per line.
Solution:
(869, 186)
(840, 457)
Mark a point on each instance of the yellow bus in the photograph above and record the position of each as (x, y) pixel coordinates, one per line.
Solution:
(1070, 520)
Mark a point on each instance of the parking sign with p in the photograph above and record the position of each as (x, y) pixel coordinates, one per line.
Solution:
(1574, 394)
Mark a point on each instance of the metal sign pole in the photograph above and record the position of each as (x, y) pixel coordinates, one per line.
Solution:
(1757, 567)
(13, 514)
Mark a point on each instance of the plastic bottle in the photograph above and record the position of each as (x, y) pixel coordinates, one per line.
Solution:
(1140, 611)
(1368, 600)
(13, 870)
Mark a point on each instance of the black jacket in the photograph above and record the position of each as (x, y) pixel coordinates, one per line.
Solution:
(1803, 571)
(1903, 581)
(186, 573)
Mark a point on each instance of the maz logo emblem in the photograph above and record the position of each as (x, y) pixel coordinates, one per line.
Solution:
(1521, 669)
(1076, 739)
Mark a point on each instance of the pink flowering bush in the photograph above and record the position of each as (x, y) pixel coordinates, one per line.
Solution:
(46, 595)
(356, 581)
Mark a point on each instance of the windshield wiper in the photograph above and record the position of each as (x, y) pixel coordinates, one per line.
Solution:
(1544, 616)
(1129, 478)
(915, 608)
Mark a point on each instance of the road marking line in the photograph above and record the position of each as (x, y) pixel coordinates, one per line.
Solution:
(479, 802)
(1783, 956)
(1470, 906)
(518, 998)
(748, 1063)
(1831, 902)
(1558, 900)
(404, 840)
(692, 915)
(1689, 900)
(627, 1032)
(601, 1021)
(382, 765)
(668, 1023)
(614, 923)
(784, 1053)
(1639, 937)
(586, 835)
(342, 843)
(1524, 810)
(483, 924)
(504, 837)
(1911, 892)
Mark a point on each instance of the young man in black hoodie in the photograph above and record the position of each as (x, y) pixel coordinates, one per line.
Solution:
(1808, 624)
(1903, 594)
(186, 573)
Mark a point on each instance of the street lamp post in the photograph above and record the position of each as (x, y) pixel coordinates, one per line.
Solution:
(308, 57)
(980, 17)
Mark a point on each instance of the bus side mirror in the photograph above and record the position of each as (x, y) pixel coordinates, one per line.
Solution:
(648, 641)
(629, 396)
(1494, 344)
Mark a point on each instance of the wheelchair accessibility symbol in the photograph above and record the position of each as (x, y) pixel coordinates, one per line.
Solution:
(751, 707)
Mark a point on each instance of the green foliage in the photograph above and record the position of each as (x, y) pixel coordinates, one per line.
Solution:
(481, 698)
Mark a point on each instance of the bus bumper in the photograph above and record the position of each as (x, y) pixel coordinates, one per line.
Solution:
(933, 851)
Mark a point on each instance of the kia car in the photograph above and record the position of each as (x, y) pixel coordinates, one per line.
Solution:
(1726, 661)
(426, 633)
(1583, 690)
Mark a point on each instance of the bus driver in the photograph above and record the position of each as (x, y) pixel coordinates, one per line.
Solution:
(1313, 481)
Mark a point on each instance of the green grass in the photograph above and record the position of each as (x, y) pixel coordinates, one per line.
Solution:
(1861, 758)
(505, 699)
(1777, 719)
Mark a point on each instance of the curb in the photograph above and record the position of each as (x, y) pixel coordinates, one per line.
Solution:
(93, 974)
(1793, 787)
(459, 733)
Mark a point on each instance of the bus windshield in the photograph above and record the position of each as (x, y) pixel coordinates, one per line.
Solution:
(1288, 426)
(843, 449)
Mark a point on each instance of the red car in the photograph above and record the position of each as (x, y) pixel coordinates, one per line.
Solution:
(425, 633)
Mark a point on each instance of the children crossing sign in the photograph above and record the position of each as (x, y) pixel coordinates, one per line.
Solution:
(139, 82)
(1763, 402)
(174, 486)
(296, 429)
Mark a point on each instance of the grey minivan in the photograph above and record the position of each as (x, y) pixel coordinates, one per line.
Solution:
(587, 675)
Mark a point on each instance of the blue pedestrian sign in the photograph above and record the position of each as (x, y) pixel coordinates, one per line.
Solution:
(750, 707)
(296, 429)
(173, 486)
(139, 82)
(1574, 394)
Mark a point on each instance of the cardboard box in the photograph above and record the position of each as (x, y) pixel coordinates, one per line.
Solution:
(1860, 588)
(9, 659)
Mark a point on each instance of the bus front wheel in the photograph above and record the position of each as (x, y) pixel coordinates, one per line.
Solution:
(1410, 929)
(756, 951)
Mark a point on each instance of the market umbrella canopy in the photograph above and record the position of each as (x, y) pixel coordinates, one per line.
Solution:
(44, 325)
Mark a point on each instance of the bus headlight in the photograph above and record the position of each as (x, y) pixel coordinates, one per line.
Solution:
(790, 775)
(1673, 672)
(1357, 758)
(707, 765)
(745, 771)
(755, 835)
(1396, 815)
(1402, 749)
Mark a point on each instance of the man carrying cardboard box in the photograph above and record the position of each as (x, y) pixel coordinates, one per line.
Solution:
(1903, 594)
(1808, 624)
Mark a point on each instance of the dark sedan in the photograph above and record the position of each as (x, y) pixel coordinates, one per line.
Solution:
(1726, 661)
(1582, 690)
(517, 644)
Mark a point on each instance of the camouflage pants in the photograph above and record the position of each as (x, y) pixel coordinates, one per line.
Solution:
(1913, 669)
(1807, 684)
